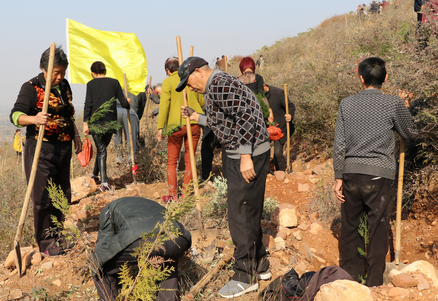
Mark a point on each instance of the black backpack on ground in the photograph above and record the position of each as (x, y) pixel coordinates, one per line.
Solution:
(304, 288)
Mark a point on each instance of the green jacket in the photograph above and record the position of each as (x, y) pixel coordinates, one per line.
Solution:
(171, 101)
(122, 222)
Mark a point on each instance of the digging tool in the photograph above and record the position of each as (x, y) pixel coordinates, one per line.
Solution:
(396, 263)
(287, 130)
(36, 157)
(204, 240)
(131, 142)
(147, 97)
(226, 63)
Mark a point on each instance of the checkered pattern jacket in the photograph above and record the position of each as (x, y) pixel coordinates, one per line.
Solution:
(364, 140)
(234, 114)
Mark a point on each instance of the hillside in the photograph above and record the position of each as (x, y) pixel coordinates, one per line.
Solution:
(319, 67)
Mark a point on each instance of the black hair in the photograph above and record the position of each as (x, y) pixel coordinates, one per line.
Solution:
(373, 72)
(98, 67)
(59, 60)
(171, 64)
(17, 130)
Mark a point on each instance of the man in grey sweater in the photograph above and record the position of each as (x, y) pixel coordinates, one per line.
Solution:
(365, 169)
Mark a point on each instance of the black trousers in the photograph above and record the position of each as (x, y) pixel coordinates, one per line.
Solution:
(245, 207)
(53, 164)
(100, 163)
(107, 282)
(279, 161)
(375, 197)
(209, 142)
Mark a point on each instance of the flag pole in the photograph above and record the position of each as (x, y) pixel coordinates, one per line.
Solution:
(131, 141)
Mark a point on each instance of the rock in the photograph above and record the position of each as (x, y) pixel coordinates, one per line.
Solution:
(36, 258)
(280, 175)
(282, 256)
(82, 215)
(156, 195)
(344, 290)
(268, 241)
(279, 243)
(323, 261)
(313, 216)
(423, 286)
(308, 172)
(303, 227)
(56, 282)
(7, 294)
(84, 203)
(47, 265)
(9, 263)
(286, 181)
(399, 293)
(315, 227)
(300, 268)
(298, 235)
(228, 250)
(404, 280)
(82, 187)
(424, 268)
(303, 187)
(16, 294)
(27, 260)
(56, 263)
(285, 215)
(282, 232)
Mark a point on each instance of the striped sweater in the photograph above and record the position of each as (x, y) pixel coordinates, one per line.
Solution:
(364, 140)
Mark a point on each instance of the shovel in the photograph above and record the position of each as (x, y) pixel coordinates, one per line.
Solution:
(396, 265)
(36, 157)
(203, 240)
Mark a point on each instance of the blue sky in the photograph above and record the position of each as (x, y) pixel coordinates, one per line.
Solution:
(213, 28)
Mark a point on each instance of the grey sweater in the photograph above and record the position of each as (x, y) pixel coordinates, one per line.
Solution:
(364, 140)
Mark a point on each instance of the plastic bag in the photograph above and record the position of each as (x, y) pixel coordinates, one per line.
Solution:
(86, 154)
(275, 133)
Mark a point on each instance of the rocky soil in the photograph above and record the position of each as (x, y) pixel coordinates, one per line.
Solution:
(296, 236)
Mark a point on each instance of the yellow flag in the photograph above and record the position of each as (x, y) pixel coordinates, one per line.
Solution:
(120, 52)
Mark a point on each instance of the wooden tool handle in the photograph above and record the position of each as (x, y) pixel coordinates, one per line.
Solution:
(147, 98)
(131, 141)
(191, 148)
(287, 129)
(401, 170)
(35, 161)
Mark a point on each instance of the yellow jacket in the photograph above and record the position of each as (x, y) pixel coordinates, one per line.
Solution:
(18, 140)
(169, 115)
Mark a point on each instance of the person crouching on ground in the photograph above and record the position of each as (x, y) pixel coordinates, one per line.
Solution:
(122, 223)
(364, 165)
(235, 117)
(170, 119)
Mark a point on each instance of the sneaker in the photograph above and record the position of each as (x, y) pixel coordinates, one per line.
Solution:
(265, 275)
(104, 187)
(236, 288)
